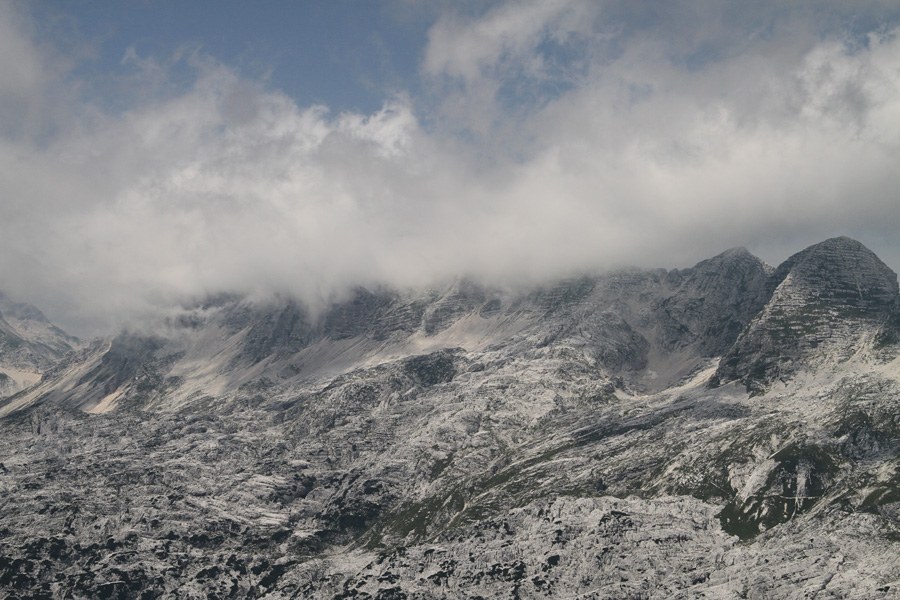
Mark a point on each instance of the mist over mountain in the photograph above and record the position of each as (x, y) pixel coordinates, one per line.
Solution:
(725, 430)
(409, 300)
(516, 142)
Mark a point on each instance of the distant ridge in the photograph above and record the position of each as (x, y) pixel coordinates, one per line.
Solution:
(29, 345)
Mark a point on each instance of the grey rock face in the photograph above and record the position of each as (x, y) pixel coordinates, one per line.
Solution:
(713, 301)
(824, 300)
(469, 442)
(282, 330)
(29, 345)
(626, 323)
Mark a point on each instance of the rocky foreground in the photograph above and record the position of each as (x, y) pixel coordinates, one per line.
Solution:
(725, 431)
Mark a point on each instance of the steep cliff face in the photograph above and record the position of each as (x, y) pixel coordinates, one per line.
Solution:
(713, 301)
(825, 301)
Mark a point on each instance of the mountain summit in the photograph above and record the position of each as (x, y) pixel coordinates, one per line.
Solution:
(824, 301)
(713, 301)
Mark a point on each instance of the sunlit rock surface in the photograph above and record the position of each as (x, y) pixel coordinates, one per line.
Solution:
(29, 345)
(825, 301)
(580, 440)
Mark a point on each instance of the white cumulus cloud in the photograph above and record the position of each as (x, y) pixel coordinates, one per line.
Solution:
(551, 137)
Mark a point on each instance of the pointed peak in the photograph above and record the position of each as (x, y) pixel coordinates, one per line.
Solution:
(736, 255)
(737, 251)
(839, 244)
(831, 248)
(823, 301)
(840, 240)
(835, 261)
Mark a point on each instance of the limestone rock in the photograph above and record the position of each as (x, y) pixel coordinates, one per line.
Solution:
(464, 441)
(825, 301)
(29, 345)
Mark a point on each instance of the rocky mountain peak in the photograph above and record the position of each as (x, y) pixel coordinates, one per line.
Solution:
(29, 345)
(736, 254)
(841, 270)
(713, 301)
(732, 264)
(823, 300)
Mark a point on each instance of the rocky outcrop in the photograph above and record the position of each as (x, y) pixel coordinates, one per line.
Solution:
(713, 301)
(29, 345)
(824, 301)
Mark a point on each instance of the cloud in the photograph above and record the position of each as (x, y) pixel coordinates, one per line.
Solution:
(693, 124)
(509, 33)
(20, 71)
(553, 137)
(27, 74)
(224, 187)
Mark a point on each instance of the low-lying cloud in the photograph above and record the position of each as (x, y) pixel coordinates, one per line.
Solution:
(619, 147)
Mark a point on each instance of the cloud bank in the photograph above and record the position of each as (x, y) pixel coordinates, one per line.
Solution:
(550, 137)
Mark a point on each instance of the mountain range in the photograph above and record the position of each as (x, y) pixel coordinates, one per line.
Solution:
(729, 430)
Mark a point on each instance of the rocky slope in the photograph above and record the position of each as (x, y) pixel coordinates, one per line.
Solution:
(826, 300)
(559, 442)
(29, 345)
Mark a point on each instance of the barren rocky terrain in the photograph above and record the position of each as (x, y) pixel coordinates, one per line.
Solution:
(731, 430)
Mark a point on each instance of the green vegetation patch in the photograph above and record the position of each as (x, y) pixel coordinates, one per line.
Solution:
(418, 518)
(783, 497)
(431, 369)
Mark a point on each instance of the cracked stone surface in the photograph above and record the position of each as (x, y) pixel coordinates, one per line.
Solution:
(567, 441)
